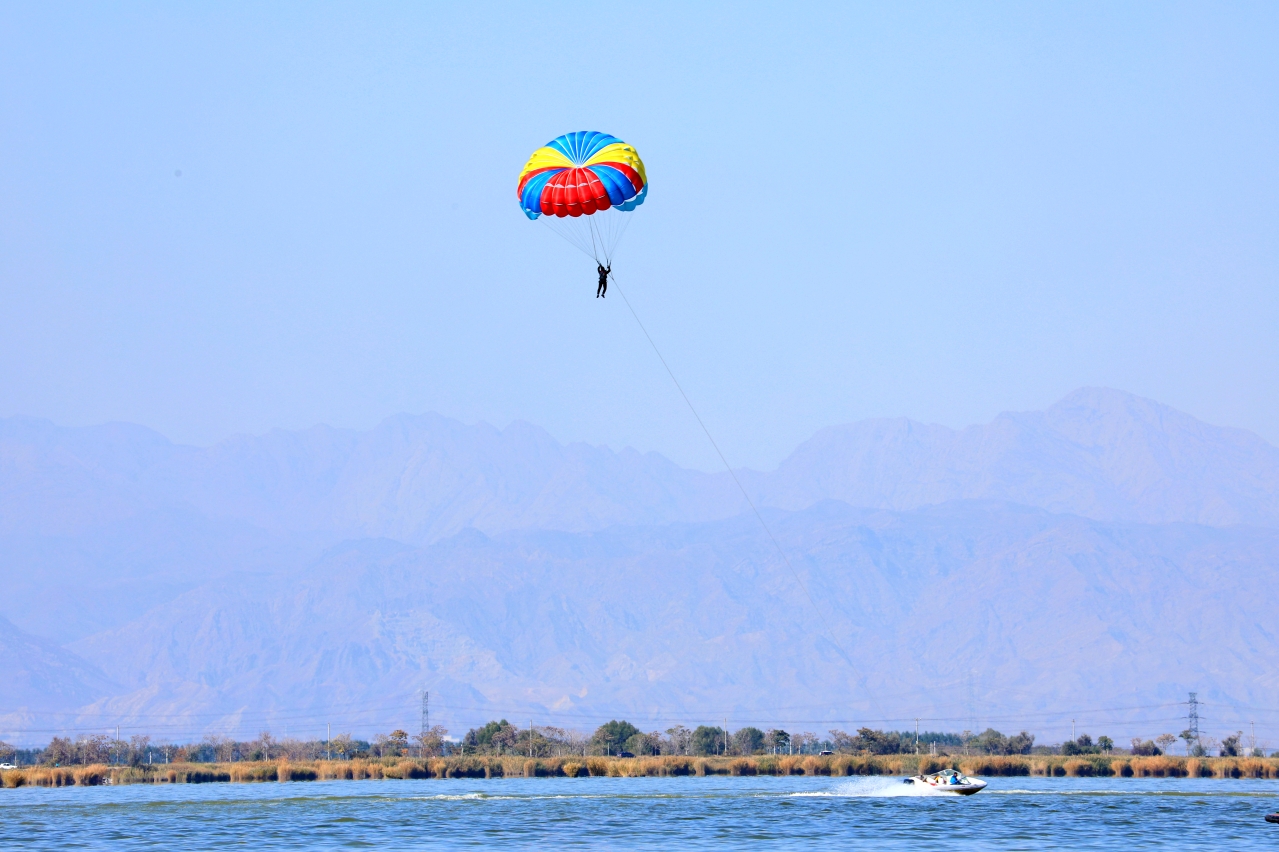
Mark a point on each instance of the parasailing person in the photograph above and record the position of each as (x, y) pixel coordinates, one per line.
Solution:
(580, 184)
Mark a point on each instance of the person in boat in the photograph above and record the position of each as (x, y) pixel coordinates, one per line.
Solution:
(604, 271)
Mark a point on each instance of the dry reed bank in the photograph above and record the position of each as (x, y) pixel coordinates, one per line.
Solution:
(575, 767)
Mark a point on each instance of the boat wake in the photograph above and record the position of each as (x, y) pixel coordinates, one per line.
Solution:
(878, 788)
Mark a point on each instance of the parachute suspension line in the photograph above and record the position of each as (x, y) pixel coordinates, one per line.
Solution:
(758, 516)
(609, 227)
(564, 234)
(620, 232)
(605, 229)
(597, 240)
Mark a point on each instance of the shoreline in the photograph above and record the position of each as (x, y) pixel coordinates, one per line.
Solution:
(510, 766)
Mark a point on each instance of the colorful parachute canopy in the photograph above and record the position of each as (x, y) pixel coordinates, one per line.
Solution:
(581, 173)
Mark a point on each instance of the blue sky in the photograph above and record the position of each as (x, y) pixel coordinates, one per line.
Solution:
(939, 211)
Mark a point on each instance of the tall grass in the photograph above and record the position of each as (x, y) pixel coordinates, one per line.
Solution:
(576, 767)
(993, 765)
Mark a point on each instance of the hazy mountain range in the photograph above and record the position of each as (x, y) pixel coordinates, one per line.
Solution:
(1108, 553)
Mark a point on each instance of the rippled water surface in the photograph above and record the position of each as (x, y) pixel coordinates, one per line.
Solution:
(683, 813)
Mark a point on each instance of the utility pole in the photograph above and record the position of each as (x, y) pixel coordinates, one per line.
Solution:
(1072, 729)
(530, 739)
(426, 722)
(725, 736)
(1193, 718)
(328, 740)
(916, 736)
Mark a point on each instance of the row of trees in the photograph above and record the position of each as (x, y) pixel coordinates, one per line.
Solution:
(136, 750)
(1083, 744)
(1197, 746)
(621, 737)
(618, 737)
(615, 737)
(95, 748)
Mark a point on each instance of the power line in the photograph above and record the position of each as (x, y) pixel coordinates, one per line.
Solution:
(177, 720)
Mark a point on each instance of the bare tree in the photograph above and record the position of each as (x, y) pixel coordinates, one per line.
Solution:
(344, 745)
(223, 748)
(94, 749)
(776, 740)
(576, 742)
(557, 742)
(506, 739)
(138, 749)
(547, 741)
(61, 752)
(295, 749)
(803, 740)
(680, 739)
(843, 741)
(431, 743)
(264, 745)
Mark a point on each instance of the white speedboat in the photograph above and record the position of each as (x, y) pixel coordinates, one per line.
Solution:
(947, 781)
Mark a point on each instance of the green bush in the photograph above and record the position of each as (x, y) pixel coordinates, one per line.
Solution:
(748, 741)
(612, 736)
(708, 741)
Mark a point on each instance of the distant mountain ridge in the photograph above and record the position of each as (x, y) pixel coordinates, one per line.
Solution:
(297, 567)
(1098, 453)
(972, 602)
(413, 478)
(40, 676)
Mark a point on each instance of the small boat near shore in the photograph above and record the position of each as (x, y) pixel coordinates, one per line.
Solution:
(947, 781)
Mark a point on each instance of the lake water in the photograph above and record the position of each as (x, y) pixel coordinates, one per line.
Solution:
(627, 813)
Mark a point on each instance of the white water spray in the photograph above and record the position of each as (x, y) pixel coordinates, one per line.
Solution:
(878, 788)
